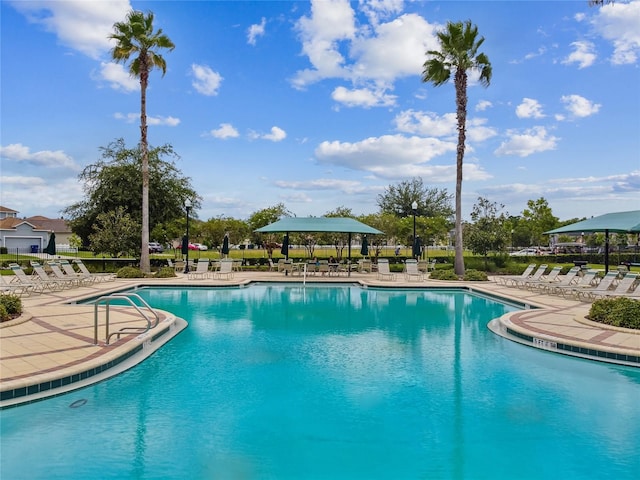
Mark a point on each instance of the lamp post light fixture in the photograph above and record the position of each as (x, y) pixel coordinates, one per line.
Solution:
(187, 206)
(414, 208)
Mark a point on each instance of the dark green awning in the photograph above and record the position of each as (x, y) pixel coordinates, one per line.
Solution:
(318, 224)
(619, 222)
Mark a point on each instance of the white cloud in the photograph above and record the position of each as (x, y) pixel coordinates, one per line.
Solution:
(255, 31)
(362, 97)
(618, 23)
(482, 105)
(529, 108)
(40, 196)
(582, 54)
(81, 25)
(345, 186)
(396, 156)
(226, 130)
(151, 120)
(579, 106)
(376, 10)
(532, 141)
(277, 134)
(426, 123)
(478, 132)
(45, 158)
(207, 82)
(118, 78)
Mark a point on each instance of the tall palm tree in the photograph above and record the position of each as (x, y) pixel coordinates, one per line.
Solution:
(459, 44)
(135, 38)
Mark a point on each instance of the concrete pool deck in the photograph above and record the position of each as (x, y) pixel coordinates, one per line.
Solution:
(50, 349)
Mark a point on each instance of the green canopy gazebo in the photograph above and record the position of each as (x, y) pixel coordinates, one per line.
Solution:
(320, 224)
(618, 222)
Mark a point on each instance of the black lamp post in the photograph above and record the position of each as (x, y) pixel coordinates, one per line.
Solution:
(187, 206)
(414, 208)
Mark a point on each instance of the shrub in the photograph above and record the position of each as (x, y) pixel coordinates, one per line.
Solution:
(4, 250)
(619, 312)
(166, 272)
(130, 272)
(10, 307)
(475, 276)
(447, 274)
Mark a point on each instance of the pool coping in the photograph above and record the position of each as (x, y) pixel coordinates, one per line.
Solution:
(515, 326)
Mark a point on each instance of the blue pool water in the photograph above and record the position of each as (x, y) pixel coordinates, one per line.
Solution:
(283, 382)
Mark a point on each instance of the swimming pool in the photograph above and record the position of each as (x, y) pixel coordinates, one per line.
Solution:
(281, 381)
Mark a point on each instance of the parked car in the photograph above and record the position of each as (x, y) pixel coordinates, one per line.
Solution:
(193, 246)
(201, 246)
(155, 247)
(526, 252)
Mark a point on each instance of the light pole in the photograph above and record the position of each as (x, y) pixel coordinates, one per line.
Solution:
(187, 206)
(414, 208)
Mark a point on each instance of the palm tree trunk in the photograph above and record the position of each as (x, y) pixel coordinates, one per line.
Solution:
(145, 264)
(461, 114)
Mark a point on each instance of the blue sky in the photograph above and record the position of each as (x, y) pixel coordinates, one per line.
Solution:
(320, 104)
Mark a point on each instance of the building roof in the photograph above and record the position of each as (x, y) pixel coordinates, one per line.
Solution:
(7, 210)
(318, 224)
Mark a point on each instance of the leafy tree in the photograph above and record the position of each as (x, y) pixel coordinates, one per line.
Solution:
(459, 45)
(487, 233)
(538, 219)
(265, 217)
(114, 181)
(115, 232)
(339, 240)
(387, 223)
(432, 202)
(136, 38)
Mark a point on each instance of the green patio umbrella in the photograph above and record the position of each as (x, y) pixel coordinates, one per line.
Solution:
(51, 246)
(364, 251)
(225, 245)
(416, 247)
(285, 246)
(185, 245)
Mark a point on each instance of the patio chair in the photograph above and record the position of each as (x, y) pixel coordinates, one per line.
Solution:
(24, 280)
(271, 265)
(383, 270)
(60, 275)
(201, 271)
(364, 266)
(323, 268)
(506, 279)
(565, 280)
(226, 270)
(67, 268)
(586, 281)
(426, 266)
(537, 275)
(53, 284)
(411, 270)
(100, 277)
(624, 288)
(14, 288)
(603, 286)
(551, 277)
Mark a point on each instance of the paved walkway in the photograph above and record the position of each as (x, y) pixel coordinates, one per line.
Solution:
(51, 347)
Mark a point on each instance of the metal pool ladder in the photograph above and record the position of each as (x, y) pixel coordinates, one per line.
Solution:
(127, 298)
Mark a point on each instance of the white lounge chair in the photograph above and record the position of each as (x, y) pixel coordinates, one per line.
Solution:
(507, 279)
(383, 270)
(623, 289)
(537, 275)
(226, 270)
(201, 271)
(411, 271)
(551, 277)
(67, 268)
(100, 277)
(565, 280)
(53, 284)
(22, 279)
(59, 274)
(586, 281)
(18, 289)
(603, 286)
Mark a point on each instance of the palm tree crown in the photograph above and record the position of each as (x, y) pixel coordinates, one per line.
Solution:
(459, 45)
(135, 37)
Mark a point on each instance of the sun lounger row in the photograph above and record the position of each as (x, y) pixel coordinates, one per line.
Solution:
(586, 287)
(62, 276)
